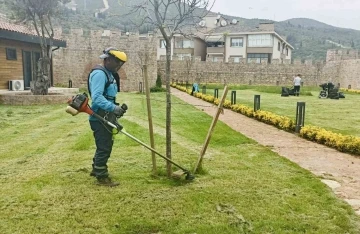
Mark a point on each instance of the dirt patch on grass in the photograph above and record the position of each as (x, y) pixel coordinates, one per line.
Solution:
(327, 163)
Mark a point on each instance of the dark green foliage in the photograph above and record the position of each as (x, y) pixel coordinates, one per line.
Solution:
(156, 89)
(158, 81)
(311, 39)
(158, 86)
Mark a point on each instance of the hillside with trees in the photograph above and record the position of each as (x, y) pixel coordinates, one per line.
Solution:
(310, 38)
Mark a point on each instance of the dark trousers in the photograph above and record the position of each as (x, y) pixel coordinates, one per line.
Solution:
(104, 143)
(297, 90)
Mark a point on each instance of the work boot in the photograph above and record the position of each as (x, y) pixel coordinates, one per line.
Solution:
(106, 182)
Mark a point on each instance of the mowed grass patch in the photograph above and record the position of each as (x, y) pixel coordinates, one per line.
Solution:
(46, 188)
(306, 90)
(340, 116)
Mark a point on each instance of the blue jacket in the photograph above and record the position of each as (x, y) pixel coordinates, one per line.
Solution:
(196, 87)
(97, 82)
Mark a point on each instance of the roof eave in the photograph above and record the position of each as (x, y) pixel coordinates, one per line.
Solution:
(283, 40)
(16, 36)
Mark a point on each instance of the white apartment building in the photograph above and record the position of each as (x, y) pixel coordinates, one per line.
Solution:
(183, 47)
(234, 42)
(221, 40)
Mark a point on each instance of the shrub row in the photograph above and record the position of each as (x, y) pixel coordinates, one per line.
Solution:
(347, 144)
(350, 90)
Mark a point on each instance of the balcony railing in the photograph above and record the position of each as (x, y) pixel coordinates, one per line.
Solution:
(216, 50)
(184, 51)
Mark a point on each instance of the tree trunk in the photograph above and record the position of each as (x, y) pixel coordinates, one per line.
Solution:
(41, 84)
(168, 108)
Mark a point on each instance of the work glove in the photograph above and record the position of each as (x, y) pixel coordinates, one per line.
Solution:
(118, 111)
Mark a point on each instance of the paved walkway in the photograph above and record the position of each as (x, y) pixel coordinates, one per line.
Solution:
(340, 171)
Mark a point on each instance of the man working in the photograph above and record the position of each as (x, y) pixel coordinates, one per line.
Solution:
(103, 89)
(195, 89)
(297, 84)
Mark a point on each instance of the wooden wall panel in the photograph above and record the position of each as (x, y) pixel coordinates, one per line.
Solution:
(13, 69)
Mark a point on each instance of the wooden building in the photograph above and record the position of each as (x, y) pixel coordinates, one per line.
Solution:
(19, 52)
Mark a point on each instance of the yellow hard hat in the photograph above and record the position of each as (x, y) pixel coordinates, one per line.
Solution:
(119, 55)
(114, 52)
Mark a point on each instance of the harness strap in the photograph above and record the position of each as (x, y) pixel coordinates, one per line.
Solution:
(107, 84)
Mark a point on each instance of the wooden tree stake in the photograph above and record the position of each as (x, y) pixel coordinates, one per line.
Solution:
(151, 130)
(211, 129)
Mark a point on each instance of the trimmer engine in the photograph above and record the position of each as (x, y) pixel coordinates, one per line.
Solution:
(78, 101)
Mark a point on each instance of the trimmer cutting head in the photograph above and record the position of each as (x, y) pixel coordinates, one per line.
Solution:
(181, 173)
(189, 176)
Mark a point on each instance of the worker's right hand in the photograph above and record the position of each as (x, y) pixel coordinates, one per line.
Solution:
(118, 111)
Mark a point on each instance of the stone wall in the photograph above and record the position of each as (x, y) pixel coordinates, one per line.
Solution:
(345, 72)
(84, 47)
(349, 73)
(341, 54)
(82, 53)
(249, 73)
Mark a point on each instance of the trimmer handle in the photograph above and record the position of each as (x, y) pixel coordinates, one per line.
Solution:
(124, 107)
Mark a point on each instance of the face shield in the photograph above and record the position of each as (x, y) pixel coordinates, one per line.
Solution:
(119, 64)
(119, 57)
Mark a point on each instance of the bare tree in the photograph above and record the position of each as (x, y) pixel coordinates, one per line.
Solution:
(189, 64)
(142, 60)
(171, 17)
(39, 14)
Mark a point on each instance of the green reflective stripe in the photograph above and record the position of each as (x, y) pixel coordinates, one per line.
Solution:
(96, 167)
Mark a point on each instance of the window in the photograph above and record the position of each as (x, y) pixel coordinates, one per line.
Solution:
(162, 44)
(237, 58)
(287, 51)
(258, 58)
(11, 54)
(187, 44)
(217, 59)
(184, 44)
(215, 44)
(236, 42)
(183, 56)
(262, 40)
(279, 46)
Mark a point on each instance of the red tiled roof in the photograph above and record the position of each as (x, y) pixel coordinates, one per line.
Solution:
(20, 29)
(16, 28)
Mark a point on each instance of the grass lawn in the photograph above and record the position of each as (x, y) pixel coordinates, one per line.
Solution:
(341, 116)
(46, 154)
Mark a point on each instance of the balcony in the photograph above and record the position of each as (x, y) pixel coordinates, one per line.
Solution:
(216, 50)
(184, 51)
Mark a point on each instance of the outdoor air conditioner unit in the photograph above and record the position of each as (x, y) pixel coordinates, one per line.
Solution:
(16, 85)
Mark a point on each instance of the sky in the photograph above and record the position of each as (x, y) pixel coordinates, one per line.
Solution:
(340, 13)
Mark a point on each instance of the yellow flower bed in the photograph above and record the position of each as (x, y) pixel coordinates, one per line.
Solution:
(348, 144)
(350, 90)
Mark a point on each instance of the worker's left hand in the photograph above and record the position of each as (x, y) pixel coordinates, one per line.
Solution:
(118, 111)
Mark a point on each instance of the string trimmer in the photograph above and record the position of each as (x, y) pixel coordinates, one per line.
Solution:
(79, 103)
